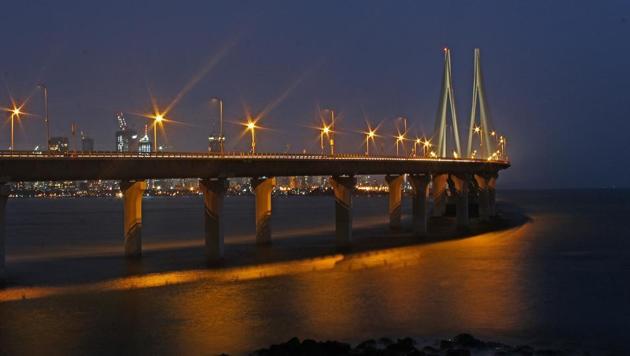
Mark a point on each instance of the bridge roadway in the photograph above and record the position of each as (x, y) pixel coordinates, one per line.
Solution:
(458, 179)
(29, 166)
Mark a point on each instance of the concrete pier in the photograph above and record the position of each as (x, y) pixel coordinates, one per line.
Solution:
(420, 184)
(459, 189)
(262, 191)
(484, 196)
(439, 194)
(492, 194)
(395, 200)
(213, 197)
(132, 216)
(5, 190)
(343, 187)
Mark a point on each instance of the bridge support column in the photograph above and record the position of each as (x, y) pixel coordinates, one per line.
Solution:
(420, 184)
(439, 194)
(459, 188)
(492, 193)
(395, 200)
(484, 196)
(132, 216)
(342, 187)
(213, 196)
(5, 190)
(262, 191)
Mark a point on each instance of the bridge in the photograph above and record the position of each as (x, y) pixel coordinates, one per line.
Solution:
(458, 178)
(434, 177)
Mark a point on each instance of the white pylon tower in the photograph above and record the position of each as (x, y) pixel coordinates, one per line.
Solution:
(487, 145)
(447, 101)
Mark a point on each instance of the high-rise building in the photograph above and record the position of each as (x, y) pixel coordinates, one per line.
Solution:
(214, 143)
(87, 144)
(58, 144)
(145, 145)
(126, 138)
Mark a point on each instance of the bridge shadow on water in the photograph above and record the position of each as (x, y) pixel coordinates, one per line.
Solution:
(289, 253)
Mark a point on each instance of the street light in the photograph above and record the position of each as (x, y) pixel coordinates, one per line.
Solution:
(426, 145)
(251, 125)
(370, 135)
(325, 130)
(331, 128)
(45, 94)
(221, 137)
(15, 113)
(478, 131)
(415, 146)
(400, 138)
(158, 118)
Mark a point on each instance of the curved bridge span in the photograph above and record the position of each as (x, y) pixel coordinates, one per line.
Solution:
(461, 181)
(29, 166)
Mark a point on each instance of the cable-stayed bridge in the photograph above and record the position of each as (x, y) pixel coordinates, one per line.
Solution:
(444, 175)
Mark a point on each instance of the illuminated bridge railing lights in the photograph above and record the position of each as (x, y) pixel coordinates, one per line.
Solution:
(229, 155)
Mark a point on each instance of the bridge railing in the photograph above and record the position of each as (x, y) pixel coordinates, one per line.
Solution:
(226, 155)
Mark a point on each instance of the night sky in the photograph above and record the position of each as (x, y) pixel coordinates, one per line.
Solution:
(557, 73)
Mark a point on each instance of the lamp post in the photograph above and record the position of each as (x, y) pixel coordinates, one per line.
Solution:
(221, 137)
(400, 138)
(325, 130)
(331, 131)
(415, 146)
(332, 135)
(157, 121)
(426, 145)
(45, 95)
(252, 127)
(370, 135)
(479, 131)
(15, 113)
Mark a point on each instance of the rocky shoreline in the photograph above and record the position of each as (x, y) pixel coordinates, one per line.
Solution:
(460, 345)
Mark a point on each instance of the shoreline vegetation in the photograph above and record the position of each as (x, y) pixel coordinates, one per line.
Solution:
(459, 345)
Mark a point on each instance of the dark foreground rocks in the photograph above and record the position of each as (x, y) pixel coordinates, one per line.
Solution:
(460, 345)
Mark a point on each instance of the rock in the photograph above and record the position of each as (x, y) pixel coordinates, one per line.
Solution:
(458, 352)
(367, 344)
(334, 348)
(385, 341)
(467, 340)
(523, 350)
(460, 345)
(290, 347)
(310, 347)
(430, 350)
(306, 348)
(545, 352)
(446, 344)
(402, 347)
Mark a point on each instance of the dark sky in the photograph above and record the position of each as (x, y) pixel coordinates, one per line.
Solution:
(557, 73)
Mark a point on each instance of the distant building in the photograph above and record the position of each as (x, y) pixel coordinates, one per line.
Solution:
(145, 145)
(87, 144)
(58, 144)
(165, 148)
(126, 138)
(214, 143)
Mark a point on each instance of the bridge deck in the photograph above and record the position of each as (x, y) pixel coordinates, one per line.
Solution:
(31, 166)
